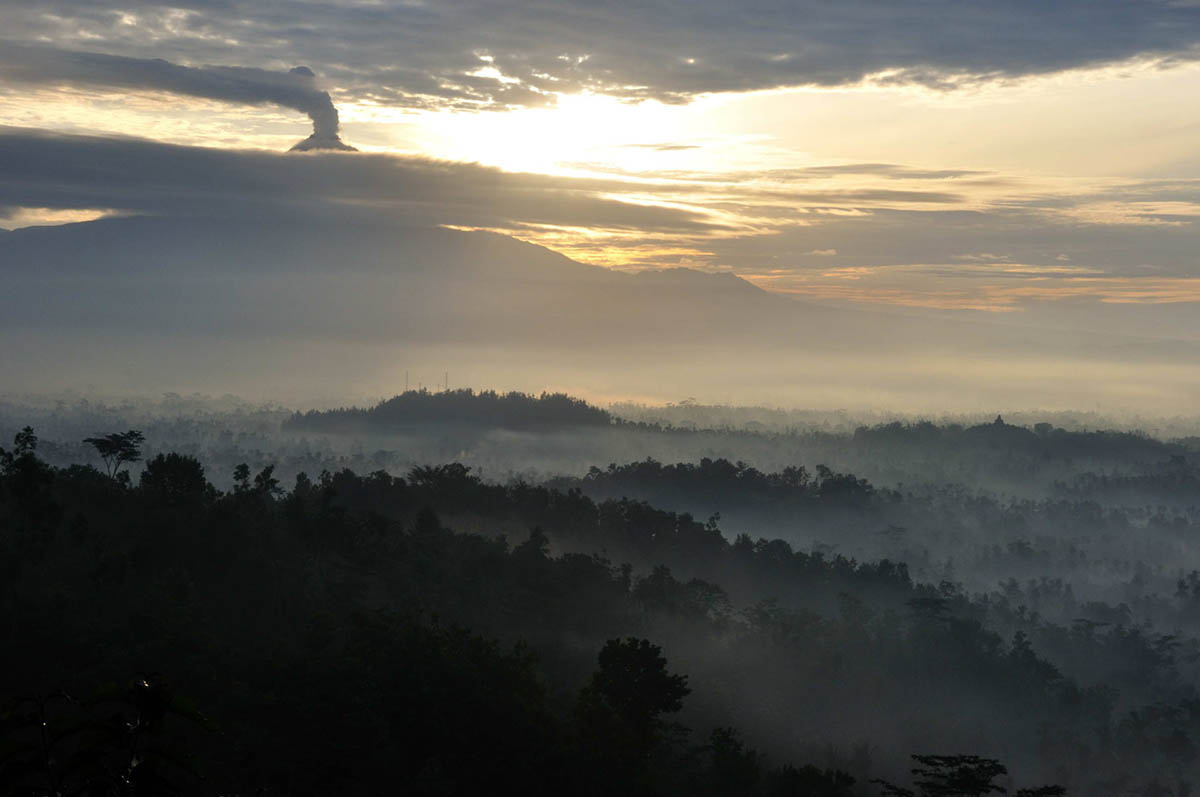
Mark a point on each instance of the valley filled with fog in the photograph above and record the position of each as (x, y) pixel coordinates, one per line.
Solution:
(843, 590)
(678, 399)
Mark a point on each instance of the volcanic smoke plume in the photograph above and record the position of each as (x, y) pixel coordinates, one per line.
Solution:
(324, 117)
(296, 89)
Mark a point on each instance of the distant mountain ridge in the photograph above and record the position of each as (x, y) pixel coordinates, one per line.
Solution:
(316, 303)
(366, 278)
(362, 279)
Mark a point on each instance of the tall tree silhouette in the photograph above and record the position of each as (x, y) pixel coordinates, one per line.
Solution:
(633, 679)
(619, 712)
(118, 448)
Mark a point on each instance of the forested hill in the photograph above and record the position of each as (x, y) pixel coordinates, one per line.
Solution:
(321, 632)
(486, 409)
(550, 411)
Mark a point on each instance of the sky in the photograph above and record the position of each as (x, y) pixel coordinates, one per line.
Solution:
(1031, 161)
(940, 154)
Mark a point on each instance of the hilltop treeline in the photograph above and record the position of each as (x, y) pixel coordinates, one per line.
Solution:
(1001, 459)
(487, 408)
(435, 634)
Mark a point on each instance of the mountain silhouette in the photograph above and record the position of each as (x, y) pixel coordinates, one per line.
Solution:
(365, 280)
(332, 304)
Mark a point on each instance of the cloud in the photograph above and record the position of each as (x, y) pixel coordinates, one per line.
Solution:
(295, 88)
(748, 225)
(65, 172)
(1006, 235)
(996, 288)
(13, 217)
(884, 170)
(431, 54)
(668, 147)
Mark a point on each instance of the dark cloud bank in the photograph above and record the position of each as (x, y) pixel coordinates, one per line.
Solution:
(420, 54)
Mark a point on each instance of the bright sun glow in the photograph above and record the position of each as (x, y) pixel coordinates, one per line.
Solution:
(581, 133)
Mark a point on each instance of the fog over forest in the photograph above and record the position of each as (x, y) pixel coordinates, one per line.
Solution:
(660, 399)
(840, 592)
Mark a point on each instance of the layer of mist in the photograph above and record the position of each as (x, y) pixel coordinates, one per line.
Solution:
(843, 592)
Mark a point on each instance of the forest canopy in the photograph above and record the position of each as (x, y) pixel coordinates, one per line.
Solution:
(436, 632)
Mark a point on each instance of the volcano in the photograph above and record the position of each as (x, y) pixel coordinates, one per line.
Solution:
(322, 142)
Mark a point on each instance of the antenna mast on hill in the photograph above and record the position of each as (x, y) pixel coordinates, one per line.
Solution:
(406, 381)
(446, 381)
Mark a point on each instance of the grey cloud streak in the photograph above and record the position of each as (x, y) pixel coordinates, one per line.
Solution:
(890, 237)
(39, 169)
(295, 88)
(421, 54)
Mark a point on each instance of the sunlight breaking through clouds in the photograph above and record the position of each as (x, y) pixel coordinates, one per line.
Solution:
(785, 153)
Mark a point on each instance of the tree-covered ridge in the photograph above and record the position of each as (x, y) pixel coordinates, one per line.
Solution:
(1036, 460)
(487, 408)
(737, 484)
(321, 628)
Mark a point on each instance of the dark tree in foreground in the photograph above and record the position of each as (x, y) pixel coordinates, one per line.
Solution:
(964, 775)
(633, 679)
(118, 448)
(618, 716)
(175, 476)
(959, 776)
(28, 510)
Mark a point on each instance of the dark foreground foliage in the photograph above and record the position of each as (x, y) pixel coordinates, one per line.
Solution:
(339, 638)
